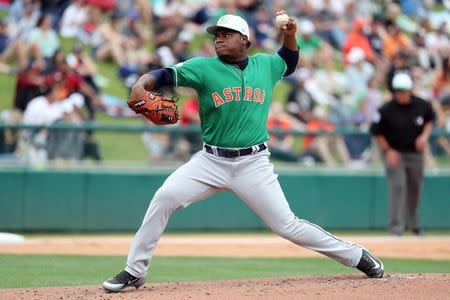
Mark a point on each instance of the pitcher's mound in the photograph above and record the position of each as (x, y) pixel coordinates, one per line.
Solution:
(392, 286)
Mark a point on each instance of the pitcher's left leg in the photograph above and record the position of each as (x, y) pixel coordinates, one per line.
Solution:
(258, 187)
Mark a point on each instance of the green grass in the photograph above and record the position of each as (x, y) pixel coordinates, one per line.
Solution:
(7, 85)
(59, 270)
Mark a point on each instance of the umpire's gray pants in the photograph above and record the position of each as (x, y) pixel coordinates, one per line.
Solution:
(405, 184)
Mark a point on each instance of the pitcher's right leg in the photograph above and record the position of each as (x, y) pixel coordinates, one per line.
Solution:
(192, 182)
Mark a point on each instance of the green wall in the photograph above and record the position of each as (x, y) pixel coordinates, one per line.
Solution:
(33, 200)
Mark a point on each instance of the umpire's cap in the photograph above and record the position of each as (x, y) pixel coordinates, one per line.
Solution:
(402, 82)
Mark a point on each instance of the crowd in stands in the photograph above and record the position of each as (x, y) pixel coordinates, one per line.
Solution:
(350, 51)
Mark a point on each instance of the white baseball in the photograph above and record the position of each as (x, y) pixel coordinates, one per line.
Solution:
(282, 20)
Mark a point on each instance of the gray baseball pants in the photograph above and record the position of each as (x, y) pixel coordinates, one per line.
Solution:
(405, 184)
(252, 179)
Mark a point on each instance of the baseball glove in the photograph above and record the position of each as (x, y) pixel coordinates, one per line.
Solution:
(156, 108)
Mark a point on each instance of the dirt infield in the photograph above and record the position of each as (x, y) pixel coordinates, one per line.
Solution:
(236, 245)
(394, 286)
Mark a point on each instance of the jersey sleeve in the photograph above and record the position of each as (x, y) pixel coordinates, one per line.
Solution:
(278, 67)
(189, 73)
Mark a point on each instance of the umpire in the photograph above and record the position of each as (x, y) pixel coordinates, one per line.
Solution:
(401, 128)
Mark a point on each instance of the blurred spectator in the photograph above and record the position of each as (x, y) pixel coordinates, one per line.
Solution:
(133, 30)
(43, 39)
(425, 58)
(67, 145)
(359, 146)
(42, 110)
(84, 65)
(441, 89)
(21, 25)
(108, 41)
(281, 144)
(402, 128)
(331, 81)
(366, 8)
(189, 116)
(372, 101)
(157, 145)
(395, 40)
(55, 9)
(310, 44)
(72, 82)
(358, 72)
(330, 24)
(73, 19)
(325, 146)
(438, 42)
(441, 105)
(45, 109)
(330, 33)
(9, 137)
(413, 8)
(10, 49)
(167, 29)
(374, 33)
(357, 39)
(144, 8)
(264, 29)
(20, 8)
(175, 52)
(300, 102)
(29, 84)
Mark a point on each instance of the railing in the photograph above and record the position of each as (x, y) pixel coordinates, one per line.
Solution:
(92, 126)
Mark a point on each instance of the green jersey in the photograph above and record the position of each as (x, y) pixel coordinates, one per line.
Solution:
(234, 103)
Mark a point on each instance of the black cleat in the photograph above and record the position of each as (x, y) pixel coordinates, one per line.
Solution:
(121, 281)
(418, 231)
(370, 265)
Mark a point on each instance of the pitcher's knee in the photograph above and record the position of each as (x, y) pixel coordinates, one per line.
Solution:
(166, 198)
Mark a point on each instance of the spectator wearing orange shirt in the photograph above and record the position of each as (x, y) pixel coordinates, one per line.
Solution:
(395, 40)
(281, 144)
(357, 39)
(324, 145)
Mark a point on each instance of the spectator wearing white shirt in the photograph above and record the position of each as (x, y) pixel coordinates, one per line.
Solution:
(73, 19)
(358, 72)
(42, 110)
(45, 110)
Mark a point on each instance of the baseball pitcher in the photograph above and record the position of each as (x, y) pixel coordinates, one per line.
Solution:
(234, 92)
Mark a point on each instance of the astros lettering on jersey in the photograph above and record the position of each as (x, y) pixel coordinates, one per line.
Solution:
(234, 103)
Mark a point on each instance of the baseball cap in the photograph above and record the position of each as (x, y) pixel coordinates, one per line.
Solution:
(232, 22)
(402, 82)
(356, 55)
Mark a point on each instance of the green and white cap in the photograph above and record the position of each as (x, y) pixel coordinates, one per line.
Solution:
(232, 22)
